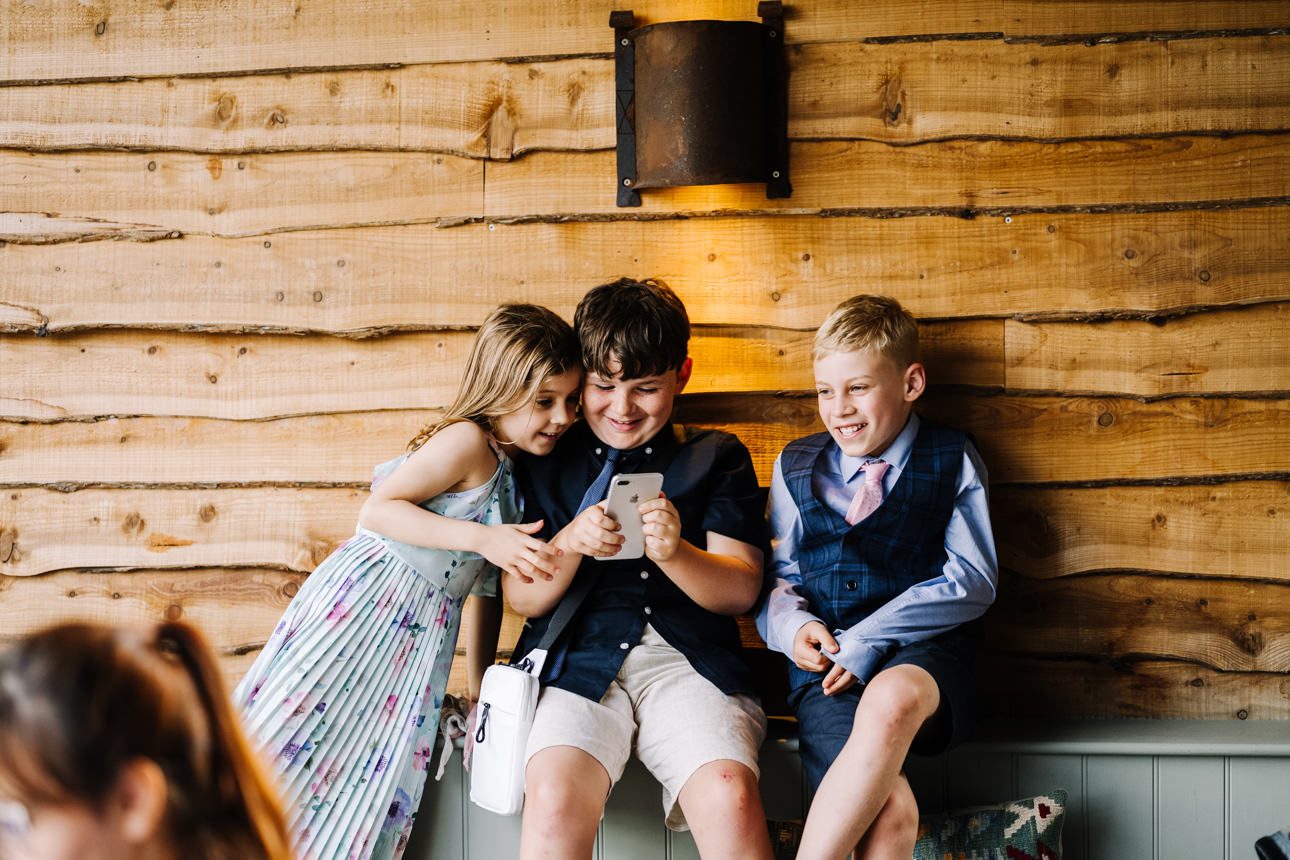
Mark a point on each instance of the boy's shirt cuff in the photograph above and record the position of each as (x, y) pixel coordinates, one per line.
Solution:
(860, 658)
(784, 630)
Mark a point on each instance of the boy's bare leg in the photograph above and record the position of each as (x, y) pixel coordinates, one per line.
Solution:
(860, 782)
(723, 807)
(894, 832)
(564, 799)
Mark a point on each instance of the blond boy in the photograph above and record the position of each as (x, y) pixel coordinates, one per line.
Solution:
(883, 560)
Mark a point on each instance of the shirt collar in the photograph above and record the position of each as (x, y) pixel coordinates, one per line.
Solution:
(896, 455)
(666, 439)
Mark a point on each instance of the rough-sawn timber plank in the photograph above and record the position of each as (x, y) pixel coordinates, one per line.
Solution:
(1228, 625)
(1024, 439)
(899, 93)
(264, 376)
(1234, 529)
(768, 271)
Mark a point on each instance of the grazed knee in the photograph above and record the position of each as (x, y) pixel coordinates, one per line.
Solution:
(726, 785)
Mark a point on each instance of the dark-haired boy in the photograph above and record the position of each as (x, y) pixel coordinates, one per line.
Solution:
(651, 659)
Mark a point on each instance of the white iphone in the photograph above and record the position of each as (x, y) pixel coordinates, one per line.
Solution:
(626, 492)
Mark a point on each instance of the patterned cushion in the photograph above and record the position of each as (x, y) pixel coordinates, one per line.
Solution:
(1029, 829)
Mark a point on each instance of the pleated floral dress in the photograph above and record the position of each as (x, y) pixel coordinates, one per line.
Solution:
(345, 697)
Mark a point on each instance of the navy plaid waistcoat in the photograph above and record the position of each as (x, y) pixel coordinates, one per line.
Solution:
(849, 571)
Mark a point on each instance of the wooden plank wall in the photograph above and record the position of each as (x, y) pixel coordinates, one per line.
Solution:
(242, 247)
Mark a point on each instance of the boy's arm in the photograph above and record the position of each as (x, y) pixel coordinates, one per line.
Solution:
(537, 597)
(592, 532)
(963, 591)
(784, 611)
(725, 578)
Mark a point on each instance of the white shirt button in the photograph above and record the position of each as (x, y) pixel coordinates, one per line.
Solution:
(624, 646)
(597, 450)
(649, 450)
(644, 574)
(649, 611)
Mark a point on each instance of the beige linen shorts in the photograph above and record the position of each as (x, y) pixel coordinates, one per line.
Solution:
(677, 719)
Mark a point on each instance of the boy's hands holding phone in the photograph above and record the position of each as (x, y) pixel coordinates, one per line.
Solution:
(661, 526)
(595, 533)
(635, 520)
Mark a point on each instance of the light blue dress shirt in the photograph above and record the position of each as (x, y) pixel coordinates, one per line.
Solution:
(963, 591)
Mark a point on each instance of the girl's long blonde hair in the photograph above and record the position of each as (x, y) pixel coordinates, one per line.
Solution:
(517, 348)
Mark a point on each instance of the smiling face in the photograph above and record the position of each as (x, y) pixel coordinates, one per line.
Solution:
(537, 425)
(865, 398)
(626, 413)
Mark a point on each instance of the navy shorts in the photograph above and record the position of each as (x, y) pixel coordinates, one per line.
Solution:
(825, 722)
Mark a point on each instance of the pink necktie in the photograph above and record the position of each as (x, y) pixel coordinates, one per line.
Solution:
(869, 496)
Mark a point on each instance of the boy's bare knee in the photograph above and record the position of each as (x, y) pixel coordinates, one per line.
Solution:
(560, 785)
(899, 701)
(546, 796)
(725, 784)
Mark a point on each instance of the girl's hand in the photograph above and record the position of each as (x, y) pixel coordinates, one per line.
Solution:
(661, 526)
(594, 533)
(515, 551)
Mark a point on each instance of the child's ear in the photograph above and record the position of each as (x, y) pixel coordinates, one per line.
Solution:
(683, 374)
(915, 381)
(139, 801)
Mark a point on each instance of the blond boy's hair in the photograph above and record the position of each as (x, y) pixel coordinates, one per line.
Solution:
(876, 323)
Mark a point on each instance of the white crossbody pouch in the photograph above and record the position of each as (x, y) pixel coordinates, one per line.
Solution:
(508, 698)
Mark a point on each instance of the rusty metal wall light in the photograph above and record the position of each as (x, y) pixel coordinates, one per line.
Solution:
(701, 103)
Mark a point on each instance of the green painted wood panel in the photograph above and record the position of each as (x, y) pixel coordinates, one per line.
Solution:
(976, 778)
(489, 836)
(633, 826)
(681, 847)
(1189, 803)
(1040, 774)
(440, 829)
(1121, 808)
(927, 779)
(783, 785)
(1258, 801)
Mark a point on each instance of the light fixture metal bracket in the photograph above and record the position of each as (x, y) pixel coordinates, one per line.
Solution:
(701, 103)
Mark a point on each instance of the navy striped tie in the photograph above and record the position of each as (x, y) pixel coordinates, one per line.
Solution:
(600, 486)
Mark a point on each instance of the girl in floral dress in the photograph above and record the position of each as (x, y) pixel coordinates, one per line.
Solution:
(345, 697)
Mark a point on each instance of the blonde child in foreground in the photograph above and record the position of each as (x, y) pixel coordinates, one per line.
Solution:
(122, 745)
(345, 697)
(883, 560)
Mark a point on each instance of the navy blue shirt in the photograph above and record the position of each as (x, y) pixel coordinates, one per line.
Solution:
(708, 476)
